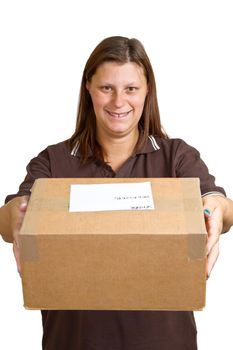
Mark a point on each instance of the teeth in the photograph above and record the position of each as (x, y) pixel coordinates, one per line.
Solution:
(118, 115)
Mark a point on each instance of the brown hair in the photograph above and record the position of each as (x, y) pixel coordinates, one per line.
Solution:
(121, 50)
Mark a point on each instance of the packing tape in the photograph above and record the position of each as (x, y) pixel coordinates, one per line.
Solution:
(28, 248)
(196, 233)
(196, 246)
(194, 223)
(49, 204)
(174, 205)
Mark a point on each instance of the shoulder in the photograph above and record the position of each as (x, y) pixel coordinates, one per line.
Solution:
(54, 153)
(62, 146)
(54, 161)
(57, 150)
(175, 146)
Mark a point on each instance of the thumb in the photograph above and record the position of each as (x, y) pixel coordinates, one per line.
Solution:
(23, 203)
(23, 207)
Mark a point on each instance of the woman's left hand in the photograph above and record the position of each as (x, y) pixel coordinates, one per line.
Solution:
(213, 212)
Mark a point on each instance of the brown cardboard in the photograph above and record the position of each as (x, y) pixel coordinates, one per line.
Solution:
(116, 260)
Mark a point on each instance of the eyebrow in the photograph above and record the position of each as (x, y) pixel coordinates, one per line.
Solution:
(128, 84)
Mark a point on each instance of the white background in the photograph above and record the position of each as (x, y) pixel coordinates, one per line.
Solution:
(44, 46)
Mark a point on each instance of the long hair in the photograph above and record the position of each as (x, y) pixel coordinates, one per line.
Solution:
(121, 50)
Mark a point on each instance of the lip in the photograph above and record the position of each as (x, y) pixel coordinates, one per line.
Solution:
(117, 115)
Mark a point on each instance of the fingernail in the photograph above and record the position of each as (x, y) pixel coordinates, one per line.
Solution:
(207, 212)
(208, 249)
(23, 205)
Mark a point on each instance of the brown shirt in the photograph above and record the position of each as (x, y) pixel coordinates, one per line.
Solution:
(120, 330)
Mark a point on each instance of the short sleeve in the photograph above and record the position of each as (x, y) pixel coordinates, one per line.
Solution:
(39, 167)
(188, 163)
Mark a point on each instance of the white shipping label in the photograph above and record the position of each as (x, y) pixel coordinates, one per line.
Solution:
(117, 196)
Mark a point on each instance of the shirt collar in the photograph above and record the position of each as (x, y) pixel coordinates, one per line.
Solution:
(149, 146)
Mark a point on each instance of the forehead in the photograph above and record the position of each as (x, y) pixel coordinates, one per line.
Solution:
(116, 72)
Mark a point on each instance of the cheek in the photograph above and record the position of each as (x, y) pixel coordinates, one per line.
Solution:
(98, 101)
(138, 102)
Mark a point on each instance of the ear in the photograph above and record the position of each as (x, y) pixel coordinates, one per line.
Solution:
(87, 85)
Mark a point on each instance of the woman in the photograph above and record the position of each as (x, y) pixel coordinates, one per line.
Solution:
(119, 134)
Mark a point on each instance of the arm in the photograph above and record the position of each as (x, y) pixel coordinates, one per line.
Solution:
(5, 228)
(12, 213)
(11, 217)
(217, 208)
(227, 209)
(219, 218)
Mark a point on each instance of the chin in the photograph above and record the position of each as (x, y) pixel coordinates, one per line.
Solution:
(119, 132)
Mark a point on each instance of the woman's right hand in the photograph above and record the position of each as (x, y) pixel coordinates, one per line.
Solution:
(18, 207)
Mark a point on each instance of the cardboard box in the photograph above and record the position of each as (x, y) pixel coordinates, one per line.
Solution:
(114, 260)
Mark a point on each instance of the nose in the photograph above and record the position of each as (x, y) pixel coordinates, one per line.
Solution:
(118, 99)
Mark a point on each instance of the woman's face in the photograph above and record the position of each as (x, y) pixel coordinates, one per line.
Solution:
(118, 93)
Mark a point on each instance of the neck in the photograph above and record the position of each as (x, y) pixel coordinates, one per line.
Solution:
(117, 149)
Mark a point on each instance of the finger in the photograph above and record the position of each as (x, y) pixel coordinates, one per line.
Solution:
(17, 257)
(213, 227)
(23, 203)
(18, 215)
(209, 204)
(212, 258)
(207, 212)
(23, 207)
(212, 240)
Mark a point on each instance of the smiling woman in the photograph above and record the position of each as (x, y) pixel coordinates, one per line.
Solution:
(118, 93)
(118, 78)
(119, 134)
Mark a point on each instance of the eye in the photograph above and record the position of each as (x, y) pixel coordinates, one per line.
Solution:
(132, 88)
(106, 88)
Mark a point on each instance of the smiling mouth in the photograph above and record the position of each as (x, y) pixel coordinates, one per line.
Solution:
(118, 115)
